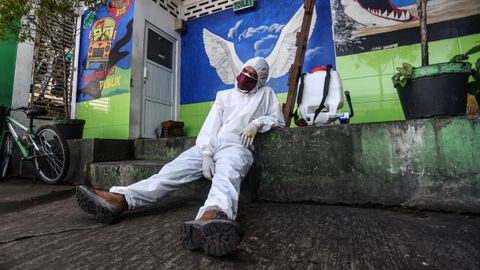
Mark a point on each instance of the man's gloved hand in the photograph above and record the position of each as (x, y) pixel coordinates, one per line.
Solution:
(248, 134)
(208, 166)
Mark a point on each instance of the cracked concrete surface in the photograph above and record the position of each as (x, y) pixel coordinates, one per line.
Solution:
(57, 235)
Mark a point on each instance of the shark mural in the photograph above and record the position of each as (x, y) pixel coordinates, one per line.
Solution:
(374, 12)
(213, 52)
(366, 25)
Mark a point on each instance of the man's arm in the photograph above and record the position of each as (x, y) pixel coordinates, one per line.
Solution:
(274, 116)
(207, 137)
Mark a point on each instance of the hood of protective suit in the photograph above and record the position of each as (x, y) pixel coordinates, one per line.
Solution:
(261, 67)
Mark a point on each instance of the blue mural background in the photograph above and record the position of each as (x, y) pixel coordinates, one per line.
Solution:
(402, 3)
(121, 61)
(200, 81)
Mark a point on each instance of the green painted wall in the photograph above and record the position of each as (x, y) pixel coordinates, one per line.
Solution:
(368, 78)
(368, 75)
(106, 117)
(8, 57)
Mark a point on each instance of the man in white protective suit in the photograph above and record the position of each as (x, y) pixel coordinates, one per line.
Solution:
(222, 154)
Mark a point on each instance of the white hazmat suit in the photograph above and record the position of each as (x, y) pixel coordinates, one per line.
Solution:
(219, 137)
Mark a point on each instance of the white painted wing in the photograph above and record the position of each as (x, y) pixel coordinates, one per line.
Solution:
(283, 54)
(222, 56)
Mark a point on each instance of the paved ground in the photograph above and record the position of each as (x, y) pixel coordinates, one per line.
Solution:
(20, 193)
(55, 234)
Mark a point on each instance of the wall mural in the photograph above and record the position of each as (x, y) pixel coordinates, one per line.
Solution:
(369, 25)
(105, 51)
(215, 47)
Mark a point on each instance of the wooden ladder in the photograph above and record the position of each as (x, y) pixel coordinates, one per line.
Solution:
(296, 68)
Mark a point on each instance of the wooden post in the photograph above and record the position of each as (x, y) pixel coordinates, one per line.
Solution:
(296, 68)
(422, 18)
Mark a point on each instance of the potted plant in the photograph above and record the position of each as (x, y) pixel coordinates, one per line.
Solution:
(39, 22)
(431, 90)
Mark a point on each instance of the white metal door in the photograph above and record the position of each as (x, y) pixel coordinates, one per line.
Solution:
(158, 92)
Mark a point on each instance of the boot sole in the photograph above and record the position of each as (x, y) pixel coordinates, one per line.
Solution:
(216, 237)
(90, 203)
(85, 204)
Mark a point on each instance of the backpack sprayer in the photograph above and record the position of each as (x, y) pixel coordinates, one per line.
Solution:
(317, 104)
(309, 90)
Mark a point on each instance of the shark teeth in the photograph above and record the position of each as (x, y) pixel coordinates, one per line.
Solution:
(391, 15)
(407, 15)
(404, 15)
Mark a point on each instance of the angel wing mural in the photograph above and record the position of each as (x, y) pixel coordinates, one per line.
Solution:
(223, 57)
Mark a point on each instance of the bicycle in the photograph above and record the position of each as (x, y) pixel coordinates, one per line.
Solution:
(45, 146)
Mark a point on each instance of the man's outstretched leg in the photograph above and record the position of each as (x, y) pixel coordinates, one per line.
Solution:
(108, 206)
(215, 229)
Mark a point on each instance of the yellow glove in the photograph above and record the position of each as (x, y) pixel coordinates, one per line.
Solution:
(248, 134)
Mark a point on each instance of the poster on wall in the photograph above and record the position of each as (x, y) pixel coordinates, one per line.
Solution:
(215, 46)
(370, 25)
(105, 51)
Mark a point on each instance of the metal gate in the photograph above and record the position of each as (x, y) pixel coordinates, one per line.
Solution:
(158, 92)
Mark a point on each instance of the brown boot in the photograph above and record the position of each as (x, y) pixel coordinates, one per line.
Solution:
(213, 214)
(106, 206)
(117, 200)
(213, 232)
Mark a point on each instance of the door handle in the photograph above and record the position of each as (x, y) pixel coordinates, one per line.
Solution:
(145, 74)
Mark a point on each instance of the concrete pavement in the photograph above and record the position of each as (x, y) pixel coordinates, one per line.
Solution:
(55, 234)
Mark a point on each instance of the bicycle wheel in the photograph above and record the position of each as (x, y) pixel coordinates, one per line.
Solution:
(52, 160)
(5, 154)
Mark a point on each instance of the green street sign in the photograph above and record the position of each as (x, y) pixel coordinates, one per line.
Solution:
(243, 4)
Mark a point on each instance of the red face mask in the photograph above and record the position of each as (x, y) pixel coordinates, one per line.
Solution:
(245, 82)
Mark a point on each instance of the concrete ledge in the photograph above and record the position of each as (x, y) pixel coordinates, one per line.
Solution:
(124, 173)
(427, 164)
(430, 164)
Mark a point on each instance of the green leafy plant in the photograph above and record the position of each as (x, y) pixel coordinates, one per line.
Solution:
(19, 20)
(404, 74)
(474, 85)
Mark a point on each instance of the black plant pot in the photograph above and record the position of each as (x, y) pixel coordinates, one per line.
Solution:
(436, 90)
(70, 128)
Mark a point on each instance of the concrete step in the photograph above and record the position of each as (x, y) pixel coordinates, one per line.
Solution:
(83, 152)
(124, 173)
(162, 149)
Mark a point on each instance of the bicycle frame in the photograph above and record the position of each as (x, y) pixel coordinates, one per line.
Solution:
(26, 153)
